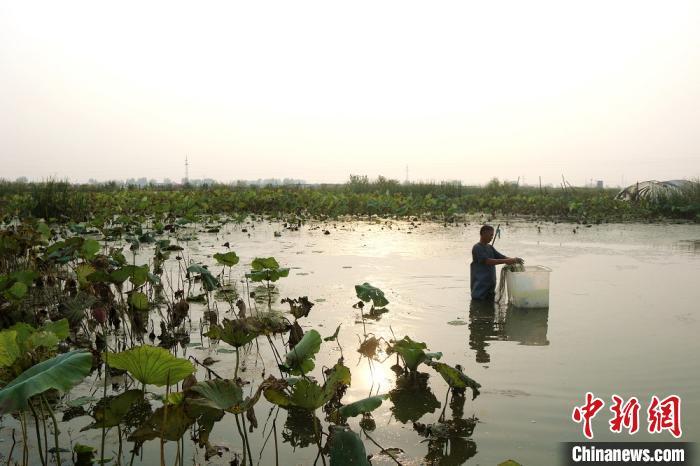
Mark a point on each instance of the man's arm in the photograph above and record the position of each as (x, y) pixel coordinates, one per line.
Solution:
(507, 261)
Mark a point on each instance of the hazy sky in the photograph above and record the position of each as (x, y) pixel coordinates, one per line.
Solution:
(319, 90)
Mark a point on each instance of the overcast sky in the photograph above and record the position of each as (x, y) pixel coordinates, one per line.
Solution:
(320, 90)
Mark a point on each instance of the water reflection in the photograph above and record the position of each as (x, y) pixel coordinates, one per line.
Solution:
(412, 398)
(491, 322)
(449, 440)
(301, 428)
(688, 245)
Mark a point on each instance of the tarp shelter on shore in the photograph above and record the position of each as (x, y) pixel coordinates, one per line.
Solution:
(652, 190)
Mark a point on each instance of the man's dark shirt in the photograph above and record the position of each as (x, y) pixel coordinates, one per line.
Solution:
(483, 277)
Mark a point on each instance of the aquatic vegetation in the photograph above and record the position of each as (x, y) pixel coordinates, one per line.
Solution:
(91, 295)
(445, 202)
(60, 373)
(151, 365)
(266, 270)
(412, 352)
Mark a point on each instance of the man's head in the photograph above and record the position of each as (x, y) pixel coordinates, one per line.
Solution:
(486, 233)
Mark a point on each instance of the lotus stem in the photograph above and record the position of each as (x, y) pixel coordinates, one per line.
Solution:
(383, 450)
(274, 428)
(104, 395)
(235, 372)
(238, 425)
(55, 429)
(247, 443)
(38, 435)
(12, 449)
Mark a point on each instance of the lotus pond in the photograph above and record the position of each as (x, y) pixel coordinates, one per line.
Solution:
(270, 342)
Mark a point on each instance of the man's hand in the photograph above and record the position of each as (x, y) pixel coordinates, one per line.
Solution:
(514, 260)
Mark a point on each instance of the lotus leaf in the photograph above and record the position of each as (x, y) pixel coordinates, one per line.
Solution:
(224, 394)
(334, 336)
(412, 398)
(89, 248)
(9, 350)
(209, 282)
(16, 292)
(47, 336)
(365, 405)
(300, 360)
(110, 411)
(59, 328)
(305, 393)
(260, 263)
(456, 378)
(82, 272)
(138, 275)
(266, 269)
(139, 301)
(151, 365)
(168, 423)
(61, 373)
(412, 352)
(228, 259)
(237, 333)
(367, 292)
(347, 448)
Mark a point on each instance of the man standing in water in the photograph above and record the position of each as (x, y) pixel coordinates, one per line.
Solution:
(485, 258)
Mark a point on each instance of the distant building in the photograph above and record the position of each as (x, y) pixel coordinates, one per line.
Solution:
(599, 184)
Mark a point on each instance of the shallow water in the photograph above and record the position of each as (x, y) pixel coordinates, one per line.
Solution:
(623, 319)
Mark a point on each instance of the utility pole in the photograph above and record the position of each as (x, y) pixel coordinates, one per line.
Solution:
(187, 171)
(406, 174)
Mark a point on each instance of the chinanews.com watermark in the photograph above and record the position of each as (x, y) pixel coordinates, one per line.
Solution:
(660, 416)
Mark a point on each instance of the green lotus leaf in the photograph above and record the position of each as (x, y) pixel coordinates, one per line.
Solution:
(224, 394)
(367, 292)
(42, 338)
(25, 276)
(151, 365)
(174, 398)
(271, 275)
(48, 336)
(61, 373)
(110, 411)
(17, 291)
(89, 248)
(237, 332)
(300, 360)
(260, 263)
(209, 282)
(365, 405)
(138, 275)
(455, 378)
(24, 331)
(121, 274)
(139, 301)
(412, 352)
(266, 269)
(170, 422)
(9, 350)
(59, 328)
(228, 259)
(44, 230)
(334, 336)
(338, 375)
(305, 393)
(347, 449)
(83, 271)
